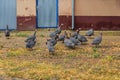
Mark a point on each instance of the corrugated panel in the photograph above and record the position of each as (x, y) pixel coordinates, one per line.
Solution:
(47, 13)
(8, 14)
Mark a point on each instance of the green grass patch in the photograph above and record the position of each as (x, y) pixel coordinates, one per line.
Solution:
(21, 35)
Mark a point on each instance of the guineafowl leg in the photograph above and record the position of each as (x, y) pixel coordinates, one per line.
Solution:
(97, 45)
(7, 38)
(51, 53)
(29, 49)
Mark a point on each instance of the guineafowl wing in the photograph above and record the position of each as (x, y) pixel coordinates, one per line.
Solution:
(97, 40)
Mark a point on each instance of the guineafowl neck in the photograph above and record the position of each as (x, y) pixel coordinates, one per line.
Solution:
(34, 33)
(78, 32)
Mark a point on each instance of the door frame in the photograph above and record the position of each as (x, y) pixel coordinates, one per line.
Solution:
(57, 13)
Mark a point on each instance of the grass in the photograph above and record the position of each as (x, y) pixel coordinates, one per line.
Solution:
(83, 63)
(21, 35)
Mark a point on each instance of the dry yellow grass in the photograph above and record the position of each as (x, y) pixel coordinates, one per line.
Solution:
(83, 63)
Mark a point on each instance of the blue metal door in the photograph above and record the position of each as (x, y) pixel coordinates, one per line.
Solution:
(8, 14)
(47, 13)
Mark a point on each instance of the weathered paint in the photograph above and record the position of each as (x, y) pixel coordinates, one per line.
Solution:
(26, 22)
(103, 12)
(26, 14)
(96, 22)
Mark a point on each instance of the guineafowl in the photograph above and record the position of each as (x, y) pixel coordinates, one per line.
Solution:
(50, 47)
(52, 34)
(96, 41)
(75, 34)
(53, 41)
(90, 32)
(62, 37)
(68, 43)
(7, 32)
(30, 44)
(74, 40)
(33, 37)
(82, 38)
(58, 30)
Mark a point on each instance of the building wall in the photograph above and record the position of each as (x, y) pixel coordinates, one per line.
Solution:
(98, 14)
(26, 14)
(65, 7)
(97, 7)
(65, 12)
(101, 14)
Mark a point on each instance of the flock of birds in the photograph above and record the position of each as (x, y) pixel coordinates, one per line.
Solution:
(69, 40)
(74, 39)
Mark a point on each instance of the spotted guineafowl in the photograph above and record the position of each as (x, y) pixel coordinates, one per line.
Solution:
(58, 30)
(97, 40)
(74, 40)
(90, 32)
(53, 41)
(75, 34)
(68, 43)
(52, 34)
(82, 38)
(32, 37)
(50, 47)
(7, 32)
(62, 37)
(30, 44)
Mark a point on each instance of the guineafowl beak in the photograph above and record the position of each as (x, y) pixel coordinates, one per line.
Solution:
(62, 24)
(79, 28)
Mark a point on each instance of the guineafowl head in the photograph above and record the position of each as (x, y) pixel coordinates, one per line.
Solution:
(61, 25)
(78, 30)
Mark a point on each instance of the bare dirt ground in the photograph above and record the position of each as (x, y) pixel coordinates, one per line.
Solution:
(83, 63)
